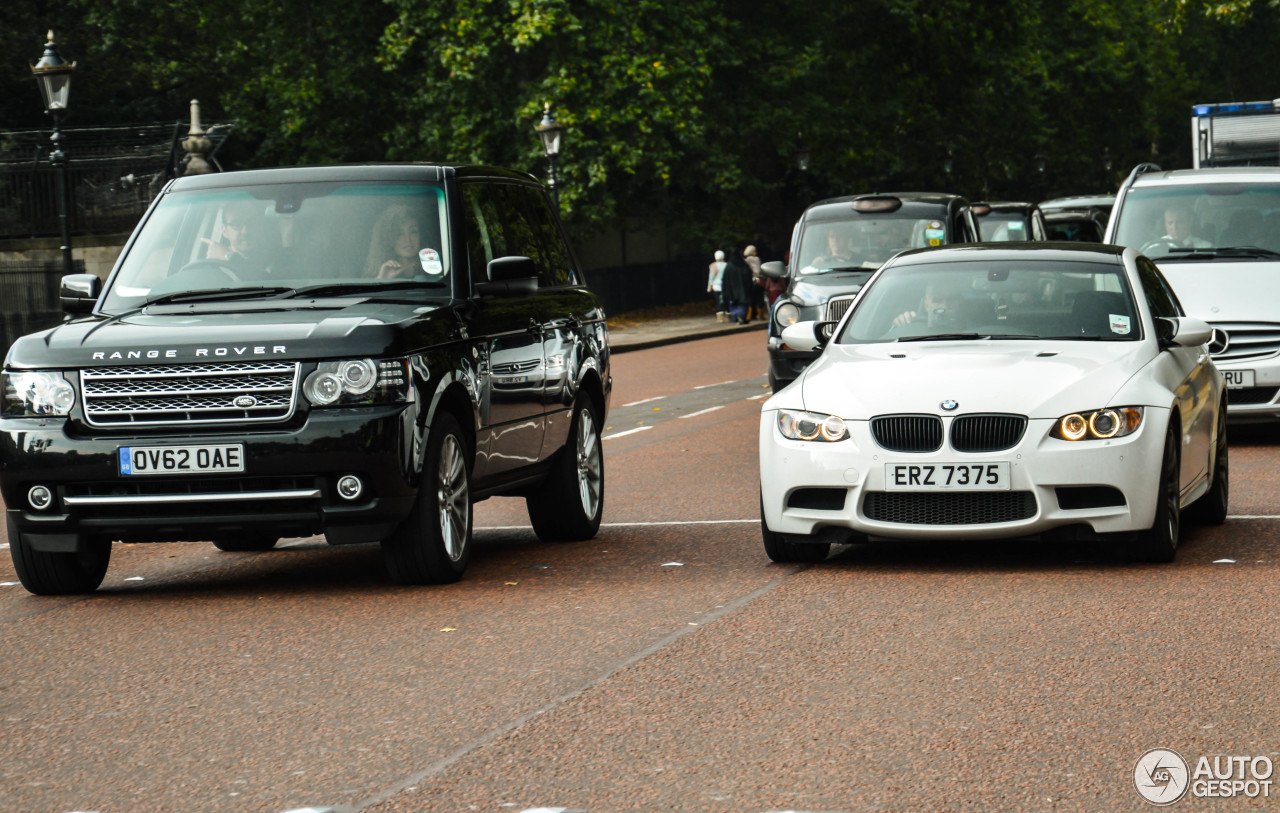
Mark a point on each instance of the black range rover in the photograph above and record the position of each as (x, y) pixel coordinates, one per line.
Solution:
(835, 247)
(361, 351)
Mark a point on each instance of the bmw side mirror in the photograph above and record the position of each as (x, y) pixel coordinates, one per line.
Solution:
(806, 336)
(509, 275)
(773, 270)
(79, 292)
(1182, 331)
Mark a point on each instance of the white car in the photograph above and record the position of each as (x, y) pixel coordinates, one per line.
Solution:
(998, 390)
(1214, 235)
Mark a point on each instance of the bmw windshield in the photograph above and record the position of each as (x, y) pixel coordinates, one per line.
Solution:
(995, 300)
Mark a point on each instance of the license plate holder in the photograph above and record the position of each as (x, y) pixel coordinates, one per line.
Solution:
(213, 458)
(947, 476)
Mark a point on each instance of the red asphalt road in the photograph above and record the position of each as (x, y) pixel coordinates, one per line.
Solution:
(601, 676)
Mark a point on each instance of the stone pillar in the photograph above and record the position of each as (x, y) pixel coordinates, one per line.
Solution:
(197, 145)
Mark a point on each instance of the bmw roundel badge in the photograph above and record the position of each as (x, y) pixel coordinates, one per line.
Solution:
(949, 405)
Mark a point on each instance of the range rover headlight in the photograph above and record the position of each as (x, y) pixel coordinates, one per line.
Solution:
(355, 382)
(1098, 424)
(786, 315)
(37, 395)
(798, 425)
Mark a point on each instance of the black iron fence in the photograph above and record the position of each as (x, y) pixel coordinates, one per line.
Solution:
(636, 287)
(29, 296)
(113, 174)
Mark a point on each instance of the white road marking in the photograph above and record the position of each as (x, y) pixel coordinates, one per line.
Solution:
(5, 545)
(1253, 516)
(702, 412)
(635, 524)
(721, 384)
(758, 397)
(645, 400)
(628, 432)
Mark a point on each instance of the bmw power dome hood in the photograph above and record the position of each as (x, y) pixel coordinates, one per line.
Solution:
(191, 335)
(1225, 291)
(1040, 379)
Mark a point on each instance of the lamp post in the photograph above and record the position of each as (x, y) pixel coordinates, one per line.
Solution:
(551, 132)
(54, 78)
(1106, 166)
(1040, 163)
(802, 163)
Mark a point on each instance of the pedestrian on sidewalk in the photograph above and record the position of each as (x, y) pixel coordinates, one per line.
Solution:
(755, 308)
(715, 285)
(737, 288)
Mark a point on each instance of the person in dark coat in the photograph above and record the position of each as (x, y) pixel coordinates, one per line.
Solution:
(737, 287)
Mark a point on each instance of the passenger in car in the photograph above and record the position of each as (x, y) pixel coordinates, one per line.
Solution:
(396, 248)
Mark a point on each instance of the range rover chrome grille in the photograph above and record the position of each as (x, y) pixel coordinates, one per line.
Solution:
(240, 392)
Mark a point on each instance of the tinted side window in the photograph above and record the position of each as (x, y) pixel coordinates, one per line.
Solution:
(1159, 297)
(522, 233)
(484, 229)
(560, 270)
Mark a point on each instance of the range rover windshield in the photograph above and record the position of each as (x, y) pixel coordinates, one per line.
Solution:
(864, 243)
(285, 239)
(1202, 222)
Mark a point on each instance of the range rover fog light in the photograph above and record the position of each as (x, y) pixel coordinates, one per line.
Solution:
(349, 487)
(40, 497)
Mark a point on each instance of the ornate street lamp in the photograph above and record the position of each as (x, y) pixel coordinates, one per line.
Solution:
(53, 76)
(551, 132)
(802, 156)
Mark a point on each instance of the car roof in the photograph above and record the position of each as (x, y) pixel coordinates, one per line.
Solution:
(343, 173)
(1211, 175)
(1004, 206)
(1048, 251)
(1078, 202)
(841, 208)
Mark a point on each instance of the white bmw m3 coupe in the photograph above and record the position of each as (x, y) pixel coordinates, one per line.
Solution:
(1033, 390)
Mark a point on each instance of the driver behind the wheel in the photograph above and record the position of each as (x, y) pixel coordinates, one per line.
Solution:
(243, 244)
(1178, 228)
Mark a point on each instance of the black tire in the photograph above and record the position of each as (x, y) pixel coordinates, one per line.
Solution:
(1211, 509)
(780, 548)
(568, 506)
(59, 574)
(246, 543)
(433, 544)
(1159, 543)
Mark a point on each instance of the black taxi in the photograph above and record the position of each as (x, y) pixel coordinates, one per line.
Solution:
(835, 247)
(361, 352)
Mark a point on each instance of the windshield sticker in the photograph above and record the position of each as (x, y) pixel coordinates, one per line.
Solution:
(431, 261)
(934, 234)
(1119, 324)
(1015, 225)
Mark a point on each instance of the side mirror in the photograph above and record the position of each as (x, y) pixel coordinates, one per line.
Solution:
(1182, 331)
(773, 270)
(807, 336)
(509, 275)
(79, 292)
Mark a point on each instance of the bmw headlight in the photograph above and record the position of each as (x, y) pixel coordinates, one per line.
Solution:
(798, 425)
(37, 395)
(1098, 424)
(359, 382)
(786, 315)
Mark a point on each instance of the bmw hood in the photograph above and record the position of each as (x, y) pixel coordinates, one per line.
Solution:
(1040, 379)
(1226, 291)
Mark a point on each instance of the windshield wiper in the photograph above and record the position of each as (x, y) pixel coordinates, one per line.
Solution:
(941, 337)
(373, 286)
(1233, 252)
(216, 295)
